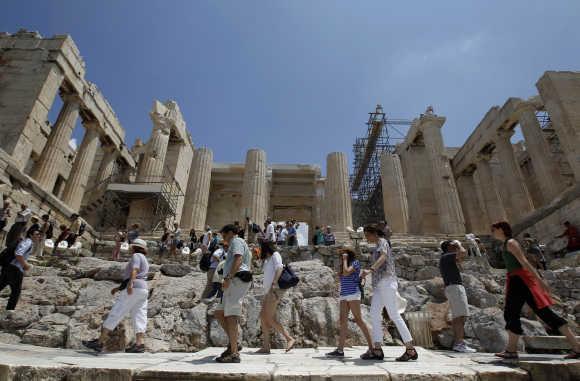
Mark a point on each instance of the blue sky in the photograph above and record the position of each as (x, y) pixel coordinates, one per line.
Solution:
(297, 78)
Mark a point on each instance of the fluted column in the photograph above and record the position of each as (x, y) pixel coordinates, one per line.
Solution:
(151, 167)
(81, 169)
(254, 188)
(517, 192)
(197, 194)
(491, 200)
(474, 215)
(108, 162)
(547, 171)
(394, 193)
(56, 147)
(339, 210)
(444, 187)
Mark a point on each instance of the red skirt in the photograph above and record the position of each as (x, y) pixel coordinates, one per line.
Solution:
(541, 297)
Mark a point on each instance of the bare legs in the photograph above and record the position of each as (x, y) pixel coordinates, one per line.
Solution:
(269, 322)
(565, 330)
(230, 326)
(354, 307)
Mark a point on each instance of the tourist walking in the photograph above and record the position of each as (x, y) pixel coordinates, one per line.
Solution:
(120, 237)
(17, 229)
(525, 286)
(534, 252)
(385, 287)
(217, 256)
(318, 238)
(452, 256)
(132, 300)
(133, 233)
(46, 231)
(573, 235)
(206, 239)
(4, 216)
(329, 238)
(192, 239)
(282, 235)
(272, 266)
(292, 234)
(176, 241)
(15, 265)
(270, 231)
(350, 298)
(237, 281)
(386, 231)
(77, 228)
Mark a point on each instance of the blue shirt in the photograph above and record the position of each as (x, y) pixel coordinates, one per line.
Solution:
(349, 284)
(24, 249)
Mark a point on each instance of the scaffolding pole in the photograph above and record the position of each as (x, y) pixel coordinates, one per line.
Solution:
(383, 134)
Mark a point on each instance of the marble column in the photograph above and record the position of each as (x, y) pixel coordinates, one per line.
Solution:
(255, 187)
(394, 193)
(56, 147)
(337, 192)
(151, 168)
(197, 194)
(81, 169)
(444, 187)
(520, 202)
(475, 217)
(547, 171)
(491, 200)
(108, 163)
(408, 161)
(560, 92)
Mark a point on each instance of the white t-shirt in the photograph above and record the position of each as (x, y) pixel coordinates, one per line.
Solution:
(271, 265)
(283, 235)
(271, 233)
(205, 239)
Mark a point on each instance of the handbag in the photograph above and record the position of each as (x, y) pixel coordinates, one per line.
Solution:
(288, 278)
(245, 276)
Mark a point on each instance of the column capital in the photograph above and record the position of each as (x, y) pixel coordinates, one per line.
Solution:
(71, 98)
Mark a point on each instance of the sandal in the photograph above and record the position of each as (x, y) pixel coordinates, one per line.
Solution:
(227, 352)
(229, 359)
(573, 355)
(410, 354)
(507, 355)
(136, 349)
(373, 354)
(336, 353)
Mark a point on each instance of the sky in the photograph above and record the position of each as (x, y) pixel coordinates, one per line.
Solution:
(298, 78)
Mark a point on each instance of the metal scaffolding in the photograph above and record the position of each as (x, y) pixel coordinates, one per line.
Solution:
(383, 134)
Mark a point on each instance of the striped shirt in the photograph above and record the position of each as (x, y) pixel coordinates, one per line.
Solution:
(349, 284)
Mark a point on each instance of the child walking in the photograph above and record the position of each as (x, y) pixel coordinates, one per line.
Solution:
(350, 298)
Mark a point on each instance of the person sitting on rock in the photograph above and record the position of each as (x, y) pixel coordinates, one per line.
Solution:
(385, 287)
(573, 236)
(525, 286)
(12, 274)
(453, 254)
(350, 299)
(132, 300)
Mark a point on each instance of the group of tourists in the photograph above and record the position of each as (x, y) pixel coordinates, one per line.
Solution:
(227, 259)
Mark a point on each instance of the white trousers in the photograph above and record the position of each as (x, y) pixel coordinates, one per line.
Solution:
(135, 305)
(385, 296)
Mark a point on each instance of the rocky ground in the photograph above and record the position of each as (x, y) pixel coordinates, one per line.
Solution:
(64, 301)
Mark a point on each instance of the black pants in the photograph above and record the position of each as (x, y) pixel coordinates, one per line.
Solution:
(519, 294)
(11, 276)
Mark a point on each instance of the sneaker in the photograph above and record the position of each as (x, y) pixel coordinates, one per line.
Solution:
(373, 354)
(136, 349)
(229, 359)
(463, 348)
(94, 345)
(335, 353)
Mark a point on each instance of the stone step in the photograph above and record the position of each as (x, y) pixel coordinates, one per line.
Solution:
(27, 362)
(547, 342)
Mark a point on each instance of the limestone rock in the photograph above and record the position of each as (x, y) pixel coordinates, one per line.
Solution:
(175, 269)
(19, 318)
(115, 273)
(48, 290)
(50, 331)
(427, 272)
(487, 325)
(8, 338)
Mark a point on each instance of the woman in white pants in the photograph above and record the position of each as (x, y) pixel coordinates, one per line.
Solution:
(385, 296)
(132, 301)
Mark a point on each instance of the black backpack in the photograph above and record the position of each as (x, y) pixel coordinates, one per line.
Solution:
(7, 256)
(82, 228)
(205, 262)
(288, 278)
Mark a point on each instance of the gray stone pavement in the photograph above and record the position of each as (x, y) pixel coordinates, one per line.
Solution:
(25, 362)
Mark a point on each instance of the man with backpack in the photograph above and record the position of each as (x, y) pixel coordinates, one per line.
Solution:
(14, 262)
(77, 228)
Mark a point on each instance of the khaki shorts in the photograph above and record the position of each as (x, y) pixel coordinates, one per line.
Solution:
(231, 301)
(457, 298)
